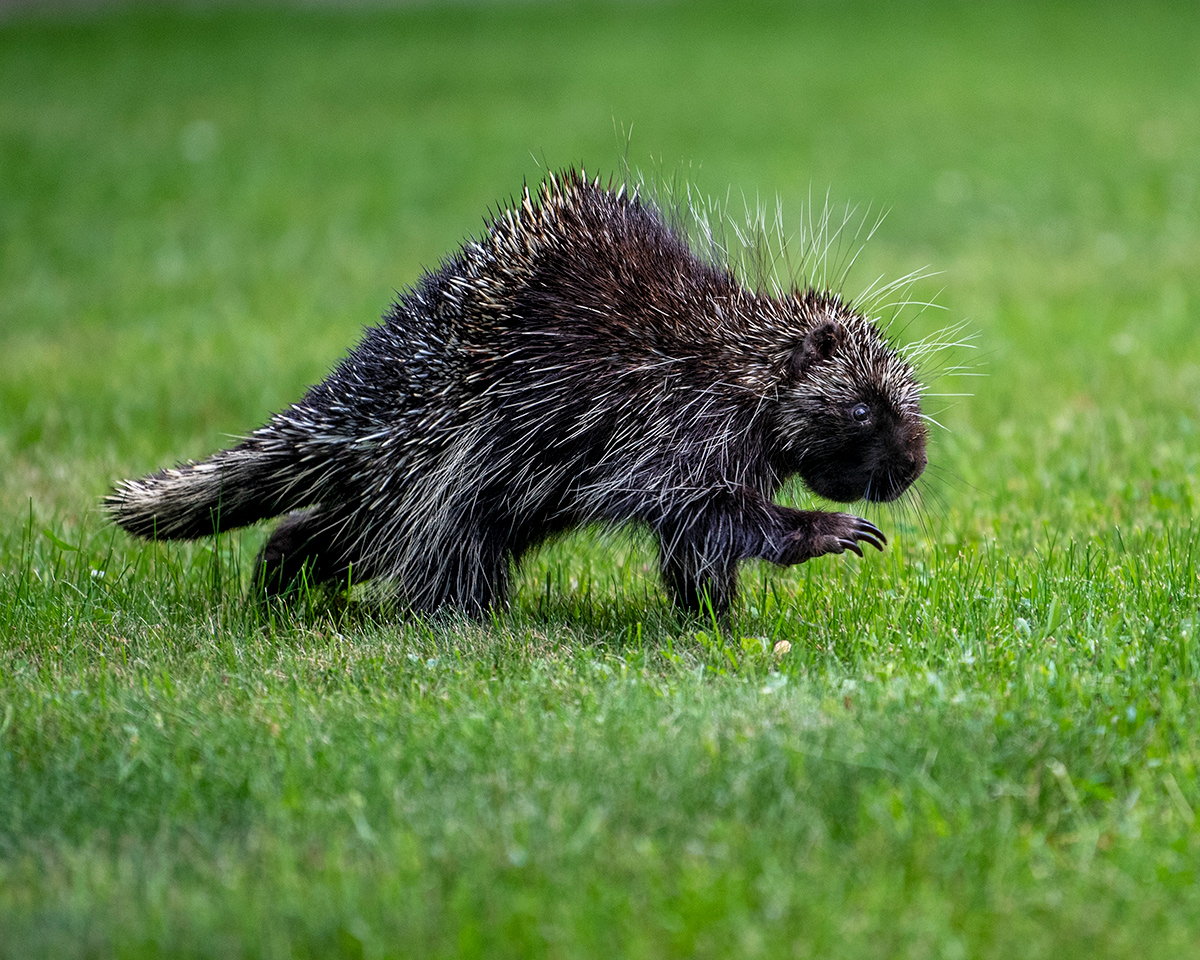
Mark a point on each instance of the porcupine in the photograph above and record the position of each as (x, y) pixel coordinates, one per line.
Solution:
(578, 364)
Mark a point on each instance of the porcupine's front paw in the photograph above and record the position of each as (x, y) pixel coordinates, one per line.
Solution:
(822, 533)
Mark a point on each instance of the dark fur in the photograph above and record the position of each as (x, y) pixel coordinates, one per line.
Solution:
(576, 365)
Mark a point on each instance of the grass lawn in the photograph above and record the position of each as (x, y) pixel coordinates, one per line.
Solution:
(982, 743)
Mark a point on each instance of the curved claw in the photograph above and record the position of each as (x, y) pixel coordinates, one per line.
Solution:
(869, 533)
(850, 545)
(873, 541)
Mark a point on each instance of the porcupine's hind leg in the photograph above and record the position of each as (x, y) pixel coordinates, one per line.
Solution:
(469, 571)
(309, 546)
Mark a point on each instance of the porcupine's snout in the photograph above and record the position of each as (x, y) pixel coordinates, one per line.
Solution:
(903, 474)
(901, 467)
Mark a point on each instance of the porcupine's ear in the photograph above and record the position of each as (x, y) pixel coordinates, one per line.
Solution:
(818, 346)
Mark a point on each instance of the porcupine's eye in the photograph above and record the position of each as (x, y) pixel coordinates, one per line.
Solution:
(861, 413)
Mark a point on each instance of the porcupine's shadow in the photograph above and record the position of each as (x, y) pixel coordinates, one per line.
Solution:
(595, 585)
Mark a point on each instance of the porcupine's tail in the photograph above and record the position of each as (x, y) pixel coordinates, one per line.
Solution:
(230, 489)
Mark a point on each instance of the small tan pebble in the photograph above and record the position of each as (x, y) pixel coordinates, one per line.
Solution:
(782, 647)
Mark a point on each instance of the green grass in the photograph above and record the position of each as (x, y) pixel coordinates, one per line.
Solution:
(983, 743)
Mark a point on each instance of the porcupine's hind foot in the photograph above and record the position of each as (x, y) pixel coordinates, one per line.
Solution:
(304, 549)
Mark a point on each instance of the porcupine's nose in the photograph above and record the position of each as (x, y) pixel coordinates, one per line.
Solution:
(905, 468)
(913, 457)
(914, 465)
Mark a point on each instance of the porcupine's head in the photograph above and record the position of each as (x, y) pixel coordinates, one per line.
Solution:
(849, 415)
